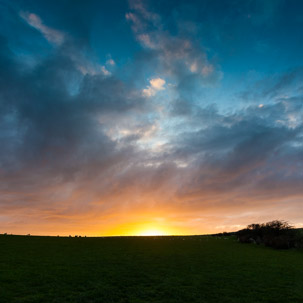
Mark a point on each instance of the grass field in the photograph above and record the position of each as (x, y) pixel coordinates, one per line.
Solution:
(146, 269)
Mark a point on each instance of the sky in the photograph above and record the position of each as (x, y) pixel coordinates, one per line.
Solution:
(150, 117)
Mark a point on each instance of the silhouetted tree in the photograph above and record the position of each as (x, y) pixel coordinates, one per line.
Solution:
(277, 234)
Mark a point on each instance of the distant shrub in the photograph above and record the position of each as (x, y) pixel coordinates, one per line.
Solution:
(224, 234)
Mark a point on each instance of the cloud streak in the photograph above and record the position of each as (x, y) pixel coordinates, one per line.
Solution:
(50, 34)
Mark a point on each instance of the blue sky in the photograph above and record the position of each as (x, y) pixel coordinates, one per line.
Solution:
(187, 113)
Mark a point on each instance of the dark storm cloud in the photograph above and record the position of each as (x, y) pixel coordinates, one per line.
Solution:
(51, 131)
(54, 146)
(257, 149)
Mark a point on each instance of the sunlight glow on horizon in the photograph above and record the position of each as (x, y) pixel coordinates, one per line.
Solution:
(153, 232)
(145, 228)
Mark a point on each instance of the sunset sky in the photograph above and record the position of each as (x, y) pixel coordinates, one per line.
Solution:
(150, 117)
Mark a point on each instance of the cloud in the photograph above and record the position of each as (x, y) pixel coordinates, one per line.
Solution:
(110, 62)
(241, 153)
(105, 71)
(156, 84)
(178, 54)
(274, 87)
(50, 34)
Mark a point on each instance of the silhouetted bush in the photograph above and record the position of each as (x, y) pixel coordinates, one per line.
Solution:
(299, 238)
(276, 234)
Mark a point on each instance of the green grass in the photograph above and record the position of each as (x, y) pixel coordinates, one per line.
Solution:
(146, 269)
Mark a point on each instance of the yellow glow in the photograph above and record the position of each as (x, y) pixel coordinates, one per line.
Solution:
(147, 228)
(152, 232)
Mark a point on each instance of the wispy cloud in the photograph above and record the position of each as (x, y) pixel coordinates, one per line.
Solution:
(178, 54)
(50, 34)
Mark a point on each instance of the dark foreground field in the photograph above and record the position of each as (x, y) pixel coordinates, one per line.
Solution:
(146, 269)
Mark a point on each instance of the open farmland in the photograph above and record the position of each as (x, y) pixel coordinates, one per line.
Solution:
(146, 269)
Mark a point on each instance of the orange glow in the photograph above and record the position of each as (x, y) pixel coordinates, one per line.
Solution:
(152, 215)
(147, 228)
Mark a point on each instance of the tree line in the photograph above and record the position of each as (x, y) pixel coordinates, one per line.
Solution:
(277, 234)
